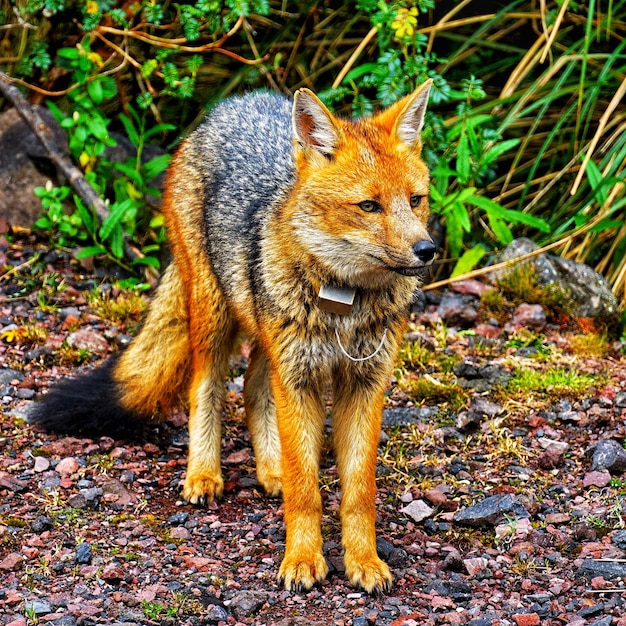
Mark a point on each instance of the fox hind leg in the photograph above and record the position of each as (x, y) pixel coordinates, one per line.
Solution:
(212, 334)
(261, 418)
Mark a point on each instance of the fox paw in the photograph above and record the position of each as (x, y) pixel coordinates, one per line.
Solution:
(298, 573)
(199, 488)
(271, 482)
(372, 575)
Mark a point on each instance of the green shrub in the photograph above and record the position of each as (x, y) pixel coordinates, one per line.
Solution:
(524, 134)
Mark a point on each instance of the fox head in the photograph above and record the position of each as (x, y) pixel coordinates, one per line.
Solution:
(362, 189)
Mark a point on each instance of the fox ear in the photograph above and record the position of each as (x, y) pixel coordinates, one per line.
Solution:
(313, 124)
(410, 112)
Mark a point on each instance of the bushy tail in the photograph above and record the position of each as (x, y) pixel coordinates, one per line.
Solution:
(145, 380)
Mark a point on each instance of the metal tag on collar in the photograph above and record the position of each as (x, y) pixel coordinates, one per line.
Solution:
(336, 299)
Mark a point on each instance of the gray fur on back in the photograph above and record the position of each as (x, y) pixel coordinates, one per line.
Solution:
(245, 149)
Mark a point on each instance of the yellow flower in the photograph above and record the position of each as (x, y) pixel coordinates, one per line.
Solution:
(92, 7)
(95, 58)
(87, 162)
(405, 23)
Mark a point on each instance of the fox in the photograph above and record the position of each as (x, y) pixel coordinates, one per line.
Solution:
(306, 232)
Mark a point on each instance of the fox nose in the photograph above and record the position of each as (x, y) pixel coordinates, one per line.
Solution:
(424, 250)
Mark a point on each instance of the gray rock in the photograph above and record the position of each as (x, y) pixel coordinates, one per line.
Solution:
(88, 339)
(68, 311)
(66, 620)
(490, 510)
(300, 621)
(83, 553)
(50, 481)
(620, 399)
(481, 406)
(480, 377)
(588, 288)
(479, 409)
(417, 510)
(589, 291)
(178, 519)
(7, 375)
(247, 603)
(457, 310)
(39, 607)
(546, 271)
(216, 613)
(608, 455)
(453, 561)
(619, 539)
(607, 569)
(398, 558)
(384, 548)
(42, 523)
(412, 415)
(591, 611)
(529, 316)
(86, 498)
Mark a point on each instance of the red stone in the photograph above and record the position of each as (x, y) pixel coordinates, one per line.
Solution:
(527, 619)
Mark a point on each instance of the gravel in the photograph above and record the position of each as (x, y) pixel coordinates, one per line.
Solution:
(522, 526)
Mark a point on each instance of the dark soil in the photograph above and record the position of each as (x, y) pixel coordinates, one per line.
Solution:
(494, 505)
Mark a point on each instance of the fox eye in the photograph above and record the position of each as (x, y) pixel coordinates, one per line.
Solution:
(370, 206)
(415, 201)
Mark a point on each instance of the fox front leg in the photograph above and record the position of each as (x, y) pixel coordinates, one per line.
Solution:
(300, 415)
(357, 414)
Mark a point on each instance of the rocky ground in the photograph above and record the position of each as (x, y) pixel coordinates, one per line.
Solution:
(502, 484)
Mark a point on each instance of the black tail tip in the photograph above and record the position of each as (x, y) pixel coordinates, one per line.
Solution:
(87, 405)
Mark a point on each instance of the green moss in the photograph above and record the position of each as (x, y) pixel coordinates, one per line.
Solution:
(553, 381)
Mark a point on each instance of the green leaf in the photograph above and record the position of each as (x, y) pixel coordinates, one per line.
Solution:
(68, 53)
(147, 260)
(84, 253)
(527, 219)
(157, 221)
(487, 204)
(86, 215)
(116, 241)
(43, 223)
(606, 225)
(463, 159)
(459, 127)
(112, 221)
(469, 260)
(460, 211)
(148, 67)
(98, 128)
(497, 150)
(155, 247)
(159, 128)
(454, 232)
(129, 127)
(94, 88)
(465, 194)
(500, 229)
(56, 112)
(357, 72)
(155, 166)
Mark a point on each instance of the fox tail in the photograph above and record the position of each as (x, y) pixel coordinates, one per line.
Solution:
(145, 380)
